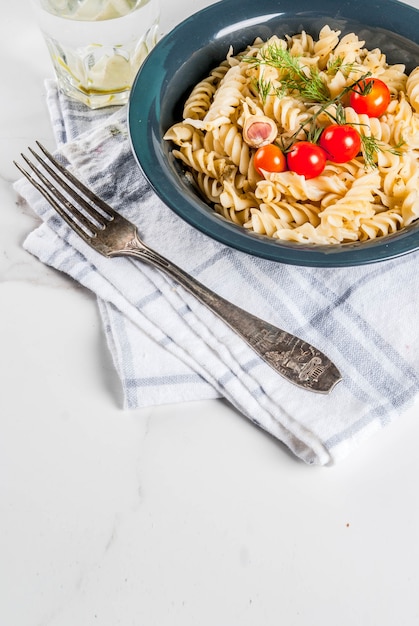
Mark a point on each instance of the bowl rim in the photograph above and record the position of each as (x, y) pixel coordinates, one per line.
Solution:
(145, 137)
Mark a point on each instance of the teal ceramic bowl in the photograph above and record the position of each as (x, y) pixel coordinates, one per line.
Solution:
(187, 54)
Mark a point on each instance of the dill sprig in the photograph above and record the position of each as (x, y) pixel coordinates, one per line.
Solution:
(307, 81)
(337, 65)
(371, 146)
(264, 88)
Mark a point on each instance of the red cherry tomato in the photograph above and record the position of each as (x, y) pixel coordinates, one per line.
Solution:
(269, 158)
(341, 142)
(306, 158)
(370, 96)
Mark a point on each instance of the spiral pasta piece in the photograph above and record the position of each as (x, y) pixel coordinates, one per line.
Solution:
(348, 50)
(412, 89)
(271, 196)
(210, 187)
(394, 77)
(231, 139)
(367, 126)
(301, 44)
(201, 161)
(198, 103)
(327, 42)
(288, 112)
(232, 90)
(380, 224)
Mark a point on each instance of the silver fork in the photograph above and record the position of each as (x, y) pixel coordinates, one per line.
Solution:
(111, 234)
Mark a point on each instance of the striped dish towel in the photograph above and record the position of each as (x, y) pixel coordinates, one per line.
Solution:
(167, 347)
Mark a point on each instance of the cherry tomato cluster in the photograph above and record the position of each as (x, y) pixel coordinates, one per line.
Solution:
(338, 143)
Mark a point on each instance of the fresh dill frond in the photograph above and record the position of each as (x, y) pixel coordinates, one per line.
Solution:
(337, 65)
(294, 77)
(264, 88)
(340, 117)
(281, 58)
(334, 65)
(369, 150)
(371, 146)
(396, 149)
(315, 89)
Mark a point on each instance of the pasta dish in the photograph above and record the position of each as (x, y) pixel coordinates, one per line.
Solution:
(306, 140)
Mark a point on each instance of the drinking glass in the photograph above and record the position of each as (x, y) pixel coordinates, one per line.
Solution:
(97, 46)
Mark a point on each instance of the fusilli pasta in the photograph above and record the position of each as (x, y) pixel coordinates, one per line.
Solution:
(353, 201)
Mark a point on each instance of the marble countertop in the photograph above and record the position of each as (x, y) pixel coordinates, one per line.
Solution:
(181, 515)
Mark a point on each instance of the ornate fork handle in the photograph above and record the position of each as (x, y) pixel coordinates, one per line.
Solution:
(296, 360)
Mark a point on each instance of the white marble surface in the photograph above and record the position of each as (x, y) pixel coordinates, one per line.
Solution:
(181, 515)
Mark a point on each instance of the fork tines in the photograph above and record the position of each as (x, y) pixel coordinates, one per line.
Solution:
(74, 202)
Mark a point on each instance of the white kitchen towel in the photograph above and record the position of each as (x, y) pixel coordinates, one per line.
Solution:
(167, 346)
